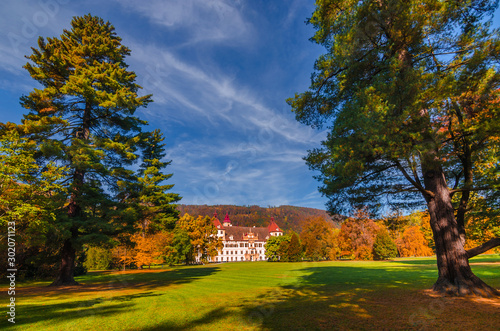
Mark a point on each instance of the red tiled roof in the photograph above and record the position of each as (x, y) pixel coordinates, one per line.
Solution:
(226, 219)
(273, 227)
(217, 223)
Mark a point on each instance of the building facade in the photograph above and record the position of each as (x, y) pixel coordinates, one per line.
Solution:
(243, 243)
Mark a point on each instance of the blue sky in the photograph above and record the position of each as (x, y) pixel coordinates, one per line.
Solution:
(219, 71)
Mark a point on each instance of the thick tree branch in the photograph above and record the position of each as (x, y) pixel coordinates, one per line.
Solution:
(471, 189)
(492, 243)
(412, 181)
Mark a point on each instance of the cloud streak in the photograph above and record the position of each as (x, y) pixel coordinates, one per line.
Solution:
(214, 21)
(211, 94)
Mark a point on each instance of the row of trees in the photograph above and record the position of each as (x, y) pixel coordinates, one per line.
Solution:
(363, 238)
(80, 169)
(190, 238)
(359, 238)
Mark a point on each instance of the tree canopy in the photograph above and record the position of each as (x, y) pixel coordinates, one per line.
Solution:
(409, 91)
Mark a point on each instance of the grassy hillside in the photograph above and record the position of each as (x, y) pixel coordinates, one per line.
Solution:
(288, 217)
(260, 296)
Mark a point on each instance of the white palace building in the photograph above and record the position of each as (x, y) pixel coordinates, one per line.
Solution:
(243, 243)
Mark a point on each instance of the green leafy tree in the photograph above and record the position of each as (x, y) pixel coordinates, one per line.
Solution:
(98, 258)
(181, 250)
(384, 247)
(410, 90)
(29, 199)
(28, 194)
(83, 119)
(294, 249)
(276, 247)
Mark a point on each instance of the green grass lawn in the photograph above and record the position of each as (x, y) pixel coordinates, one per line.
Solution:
(346, 295)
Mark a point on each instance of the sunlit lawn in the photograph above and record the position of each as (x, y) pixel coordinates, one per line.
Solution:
(261, 296)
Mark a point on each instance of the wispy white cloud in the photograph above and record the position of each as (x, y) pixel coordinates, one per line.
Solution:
(22, 22)
(258, 156)
(212, 94)
(218, 172)
(200, 20)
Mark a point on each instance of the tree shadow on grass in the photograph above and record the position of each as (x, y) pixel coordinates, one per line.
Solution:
(351, 298)
(317, 301)
(209, 318)
(354, 298)
(101, 306)
(364, 298)
(62, 312)
(66, 311)
(112, 281)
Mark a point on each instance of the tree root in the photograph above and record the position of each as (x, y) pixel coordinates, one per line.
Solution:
(465, 287)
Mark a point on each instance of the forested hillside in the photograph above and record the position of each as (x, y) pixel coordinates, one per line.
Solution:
(288, 217)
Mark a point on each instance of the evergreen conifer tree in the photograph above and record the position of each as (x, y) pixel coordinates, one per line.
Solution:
(83, 118)
(154, 206)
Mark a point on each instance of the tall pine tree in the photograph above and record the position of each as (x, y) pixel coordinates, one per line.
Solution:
(83, 118)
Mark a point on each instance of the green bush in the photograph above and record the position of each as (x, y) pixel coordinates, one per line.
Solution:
(98, 258)
(384, 247)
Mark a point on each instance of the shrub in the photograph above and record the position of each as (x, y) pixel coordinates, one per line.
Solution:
(384, 247)
(98, 258)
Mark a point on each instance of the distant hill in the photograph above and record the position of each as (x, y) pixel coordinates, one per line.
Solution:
(287, 217)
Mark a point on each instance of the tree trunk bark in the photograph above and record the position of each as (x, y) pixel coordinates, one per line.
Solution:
(455, 275)
(66, 271)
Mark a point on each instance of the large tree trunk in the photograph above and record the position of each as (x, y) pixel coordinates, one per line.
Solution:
(68, 252)
(66, 271)
(455, 275)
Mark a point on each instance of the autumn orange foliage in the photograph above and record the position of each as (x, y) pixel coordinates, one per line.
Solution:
(145, 250)
(413, 243)
(357, 236)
